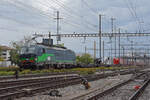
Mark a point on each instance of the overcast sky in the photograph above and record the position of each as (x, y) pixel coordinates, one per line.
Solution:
(19, 18)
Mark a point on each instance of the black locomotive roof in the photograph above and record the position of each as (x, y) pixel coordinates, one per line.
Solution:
(54, 46)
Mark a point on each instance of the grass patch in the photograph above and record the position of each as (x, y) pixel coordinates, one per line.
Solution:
(5, 71)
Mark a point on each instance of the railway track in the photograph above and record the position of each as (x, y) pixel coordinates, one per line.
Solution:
(4, 83)
(115, 92)
(138, 93)
(34, 75)
(19, 88)
(30, 89)
(34, 80)
(24, 87)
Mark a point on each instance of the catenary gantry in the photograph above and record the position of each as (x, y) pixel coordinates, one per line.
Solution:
(96, 35)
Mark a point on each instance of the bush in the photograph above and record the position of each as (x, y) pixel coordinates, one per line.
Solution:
(24, 72)
(11, 68)
(84, 71)
(85, 59)
(4, 73)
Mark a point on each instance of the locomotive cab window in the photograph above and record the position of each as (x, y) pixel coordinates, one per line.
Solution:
(43, 50)
(26, 50)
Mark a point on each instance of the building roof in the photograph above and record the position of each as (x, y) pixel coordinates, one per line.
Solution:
(5, 48)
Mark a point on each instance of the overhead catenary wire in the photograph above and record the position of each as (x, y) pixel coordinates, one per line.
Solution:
(73, 13)
(17, 21)
(69, 21)
(90, 8)
(34, 9)
(136, 16)
(94, 11)
(21, 22)
(25, 9)
(133, 12)
(71, 16)
(28, 8)
(71, 24)
(20, 8)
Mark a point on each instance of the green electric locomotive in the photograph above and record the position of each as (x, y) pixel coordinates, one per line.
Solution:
(42, 56)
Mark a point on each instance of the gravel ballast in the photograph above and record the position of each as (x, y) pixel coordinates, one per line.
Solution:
(146, 94)
(124, 92)
(71, 92)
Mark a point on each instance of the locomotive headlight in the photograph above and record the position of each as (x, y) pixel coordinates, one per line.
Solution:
(35, 59)
(49, 58)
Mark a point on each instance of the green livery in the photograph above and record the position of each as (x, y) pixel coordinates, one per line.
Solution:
(40, 55)
(44, 57)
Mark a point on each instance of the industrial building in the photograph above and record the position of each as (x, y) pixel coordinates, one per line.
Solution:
(5, 55)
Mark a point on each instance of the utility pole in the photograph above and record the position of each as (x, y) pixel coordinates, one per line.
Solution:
(94, 49)
(115, 41)
(112, 24)
(119, 44)
(100, 35)
(123, 54)
(49, 39)
(132, 51)
(85, 49)
(58, 19)
(103, 51)
(100, 39)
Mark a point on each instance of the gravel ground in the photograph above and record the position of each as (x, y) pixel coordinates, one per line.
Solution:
(124, 92)
(77, 90)
(146, 69)
(146, 94)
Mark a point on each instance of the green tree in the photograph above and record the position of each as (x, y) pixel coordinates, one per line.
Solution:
(14, 53)
(16, 45)
(84, 59)
(78, 59)
(1, 59)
